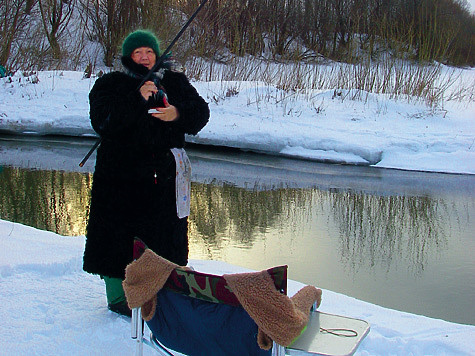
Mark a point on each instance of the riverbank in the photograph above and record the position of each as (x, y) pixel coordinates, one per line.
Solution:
(377, 131)
(52, 307)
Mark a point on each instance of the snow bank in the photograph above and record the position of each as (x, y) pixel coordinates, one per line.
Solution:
(51, 307)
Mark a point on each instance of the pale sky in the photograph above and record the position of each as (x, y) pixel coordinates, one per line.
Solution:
(472, 5)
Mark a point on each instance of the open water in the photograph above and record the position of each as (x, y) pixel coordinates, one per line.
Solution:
(399, 239)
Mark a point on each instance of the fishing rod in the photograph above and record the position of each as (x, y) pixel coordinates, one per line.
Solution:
(154, 68)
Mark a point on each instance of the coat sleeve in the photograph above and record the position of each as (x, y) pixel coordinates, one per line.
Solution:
(114, 106)
(193, 109)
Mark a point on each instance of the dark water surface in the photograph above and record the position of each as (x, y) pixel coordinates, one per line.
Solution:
(403, 240)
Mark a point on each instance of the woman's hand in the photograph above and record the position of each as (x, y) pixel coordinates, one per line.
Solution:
(168, 113)
(148, 89)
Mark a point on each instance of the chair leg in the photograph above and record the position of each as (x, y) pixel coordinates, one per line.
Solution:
(137, 330)
(278, 350)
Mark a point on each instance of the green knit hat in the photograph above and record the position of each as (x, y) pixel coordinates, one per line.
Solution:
(140, 38)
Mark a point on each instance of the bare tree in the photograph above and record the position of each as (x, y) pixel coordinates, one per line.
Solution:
(110, 21)
(280, 19)
(55, 16)
(14, 19)
(424, 30)
(342, 25)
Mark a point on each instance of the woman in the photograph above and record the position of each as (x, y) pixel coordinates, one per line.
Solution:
(141, 166)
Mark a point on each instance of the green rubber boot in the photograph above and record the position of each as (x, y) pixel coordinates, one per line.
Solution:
(116, 300)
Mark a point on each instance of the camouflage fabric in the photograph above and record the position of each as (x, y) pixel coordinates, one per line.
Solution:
(211, 288)
(214, 288)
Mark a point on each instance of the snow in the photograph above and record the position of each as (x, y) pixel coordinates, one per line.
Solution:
(377, 131)
(51, 307)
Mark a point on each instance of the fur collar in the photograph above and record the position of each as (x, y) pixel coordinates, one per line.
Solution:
(139, 71)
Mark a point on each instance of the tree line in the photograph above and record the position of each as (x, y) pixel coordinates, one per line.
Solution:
(67, 34)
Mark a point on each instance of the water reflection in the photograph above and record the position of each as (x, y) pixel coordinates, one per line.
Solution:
(59, 201)
(388, 237)
(241, 213)
(377, 231)
(49, 200)
(374, 231)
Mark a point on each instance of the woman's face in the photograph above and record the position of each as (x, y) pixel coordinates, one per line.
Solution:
(144, 56)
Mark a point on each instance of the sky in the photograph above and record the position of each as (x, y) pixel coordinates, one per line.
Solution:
(51, 307)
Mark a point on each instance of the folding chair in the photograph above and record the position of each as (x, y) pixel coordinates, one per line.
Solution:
(194, 313)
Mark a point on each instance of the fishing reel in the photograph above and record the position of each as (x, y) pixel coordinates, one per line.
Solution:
(158, 100)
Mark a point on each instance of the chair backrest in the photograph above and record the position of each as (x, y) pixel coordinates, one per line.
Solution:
(214, 288)
(209, 287)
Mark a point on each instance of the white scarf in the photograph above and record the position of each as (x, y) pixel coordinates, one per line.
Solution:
(182, 182)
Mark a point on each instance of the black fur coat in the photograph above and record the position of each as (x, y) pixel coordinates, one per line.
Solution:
(133, 191)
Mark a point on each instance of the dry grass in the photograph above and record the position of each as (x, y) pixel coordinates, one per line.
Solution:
(400, 80)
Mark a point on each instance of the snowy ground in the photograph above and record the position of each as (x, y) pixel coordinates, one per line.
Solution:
(377, 131)
(51, 307)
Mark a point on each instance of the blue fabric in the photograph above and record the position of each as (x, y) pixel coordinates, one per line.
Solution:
(196, 327)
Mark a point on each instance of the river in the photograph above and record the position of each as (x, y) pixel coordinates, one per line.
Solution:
(400, 239)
